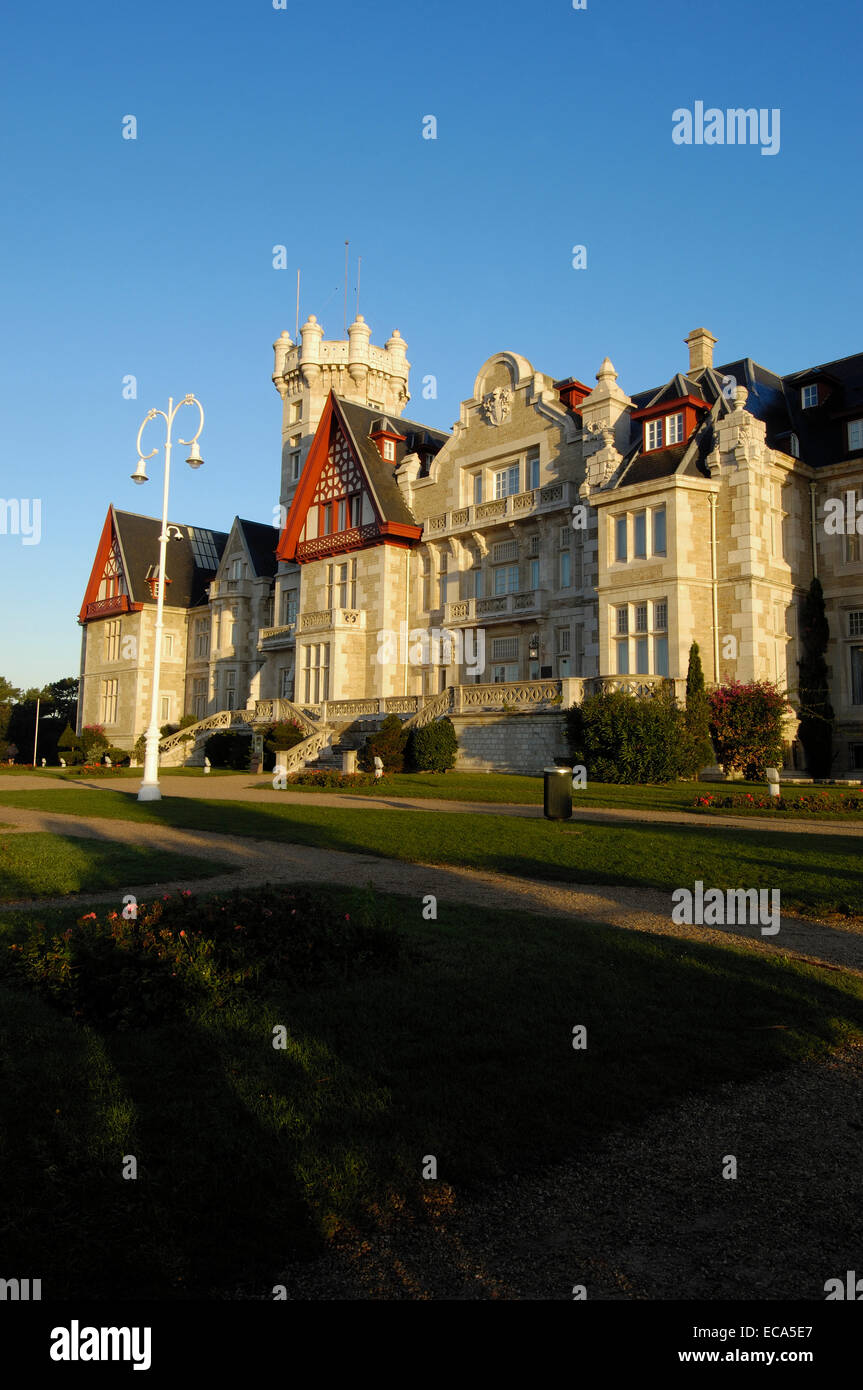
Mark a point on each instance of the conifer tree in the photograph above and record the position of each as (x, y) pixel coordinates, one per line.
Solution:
(698, 712)
(815, 730)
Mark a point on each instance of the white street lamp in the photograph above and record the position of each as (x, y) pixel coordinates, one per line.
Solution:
(149, 789)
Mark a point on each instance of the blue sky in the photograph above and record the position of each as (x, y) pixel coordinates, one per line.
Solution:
(303, 127)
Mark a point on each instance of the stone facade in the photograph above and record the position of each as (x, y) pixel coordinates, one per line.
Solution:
(559, 532)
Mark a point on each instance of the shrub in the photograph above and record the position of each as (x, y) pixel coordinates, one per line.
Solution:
(93, 742)
(330, 777)
(69, 747)
(140, 748)
(746, 727)
(811, 803)
(115, 972)
(120, 757)
(387, 744)
(630, 738)
(432, 747)
(278, 738)
(229, 749)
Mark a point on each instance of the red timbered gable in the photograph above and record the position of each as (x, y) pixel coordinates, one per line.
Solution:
(336, 507)
(107, 590)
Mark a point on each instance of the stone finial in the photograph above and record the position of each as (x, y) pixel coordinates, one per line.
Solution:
(701, 344)
(397, 348)
(741, 396)
(606, 371)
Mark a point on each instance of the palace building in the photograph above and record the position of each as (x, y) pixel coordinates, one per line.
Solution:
(568, 535)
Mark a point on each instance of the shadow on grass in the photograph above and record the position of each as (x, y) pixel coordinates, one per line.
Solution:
(50, 863)
(249, 1156)
(821, 874)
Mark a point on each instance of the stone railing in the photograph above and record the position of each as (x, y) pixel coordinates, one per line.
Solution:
(351, 709)
(296, 758)
(333, 618)
(277, 636)
(535, 694)
(471, 610)
(264, 712)
(519, 504)
(431, 709)
(486, 510)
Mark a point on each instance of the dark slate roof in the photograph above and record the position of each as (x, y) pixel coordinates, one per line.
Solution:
(419, 439)
(261, 541)
(776, 400)
(659, 463)
(138, 537)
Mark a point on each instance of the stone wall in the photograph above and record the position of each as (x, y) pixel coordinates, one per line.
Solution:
(509, 742)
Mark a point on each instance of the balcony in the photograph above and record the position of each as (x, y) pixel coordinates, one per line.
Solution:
(342, 619)
(536, 502)
(271, 639)
(106, 607)
(498, 608)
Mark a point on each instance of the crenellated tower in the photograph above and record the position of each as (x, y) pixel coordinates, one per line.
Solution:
(355, 369)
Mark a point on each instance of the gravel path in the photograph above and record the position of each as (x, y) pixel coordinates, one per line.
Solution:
(839, 943)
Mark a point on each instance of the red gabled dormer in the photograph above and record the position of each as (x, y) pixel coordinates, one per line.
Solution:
(107, 592)
(670, 421)
(385, 436)
(572, 392)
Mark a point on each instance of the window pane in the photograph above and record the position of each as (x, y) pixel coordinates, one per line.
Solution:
(620, 538)
(641, 665)
(622, 658)
(639, 537)
(659, 531)
(660, 615)
(622, 624)
(660, 655)
(641, 617)
(855, 434)
(565, 572)
(534, 574)
(477, 488)
(857, 675)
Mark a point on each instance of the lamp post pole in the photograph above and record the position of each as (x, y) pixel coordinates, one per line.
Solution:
(149, 789)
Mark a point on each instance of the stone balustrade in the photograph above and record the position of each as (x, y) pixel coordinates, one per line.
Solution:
(537, 500)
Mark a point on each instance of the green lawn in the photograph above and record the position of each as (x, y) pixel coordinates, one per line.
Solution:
(248, 1155)
(44, 865)
(528, 791)
(814, 875)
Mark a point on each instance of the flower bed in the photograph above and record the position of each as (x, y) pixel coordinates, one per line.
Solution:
(329, 777)
(813, 803)
(115, 971)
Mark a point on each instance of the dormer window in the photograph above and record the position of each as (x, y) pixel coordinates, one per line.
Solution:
(855, 435)
(653, 435)
(674, 429)
(389, 450)
(809, 396)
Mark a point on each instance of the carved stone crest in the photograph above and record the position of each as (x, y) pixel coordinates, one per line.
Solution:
(496, 405)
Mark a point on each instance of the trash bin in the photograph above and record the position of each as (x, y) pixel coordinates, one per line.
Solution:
(557, 793)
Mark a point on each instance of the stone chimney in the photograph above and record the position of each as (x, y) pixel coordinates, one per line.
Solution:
(700, 344)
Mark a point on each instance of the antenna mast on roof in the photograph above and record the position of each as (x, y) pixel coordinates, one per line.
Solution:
(346, 289)
(359, 273)
(297, 328)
